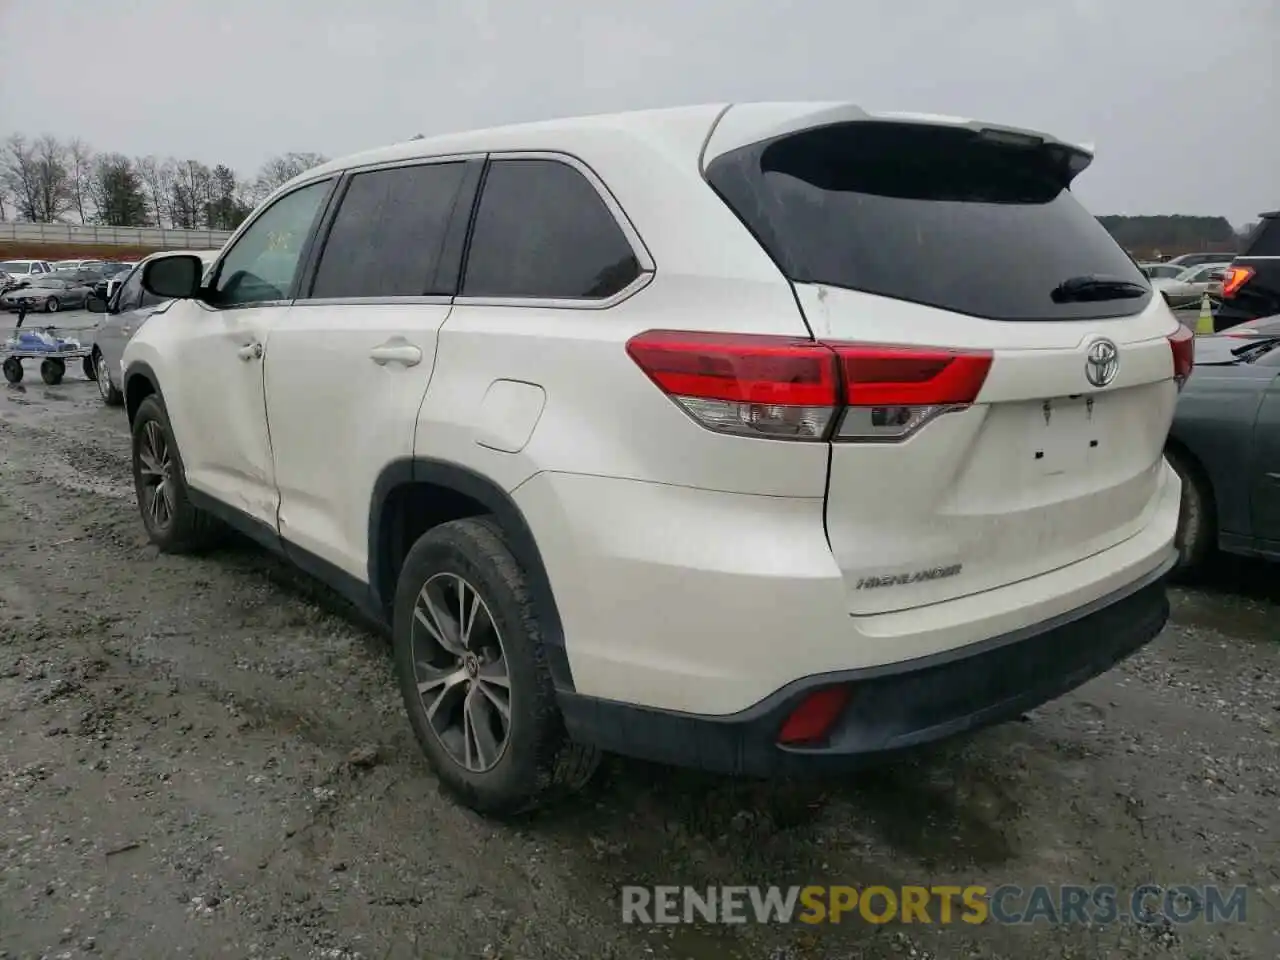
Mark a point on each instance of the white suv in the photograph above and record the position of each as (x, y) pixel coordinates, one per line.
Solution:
(762, 438)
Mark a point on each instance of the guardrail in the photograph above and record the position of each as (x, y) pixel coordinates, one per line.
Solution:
(122, 236)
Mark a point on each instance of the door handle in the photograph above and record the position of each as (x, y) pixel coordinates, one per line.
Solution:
(391, 352)
(250, 351)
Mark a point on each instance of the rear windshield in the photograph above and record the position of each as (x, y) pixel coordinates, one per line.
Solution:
(933, 215)
(1265, 241)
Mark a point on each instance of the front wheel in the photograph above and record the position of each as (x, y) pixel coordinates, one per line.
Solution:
(51, 305)
(172, 522)
(106, 389)
(52, 372)
(13, 370)
(474, 676)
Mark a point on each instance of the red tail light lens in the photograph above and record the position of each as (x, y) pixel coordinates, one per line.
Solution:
(1182, 342)
(749, 385)
(813, 718)
(892, 392)
(787, 388)
(1236, 277)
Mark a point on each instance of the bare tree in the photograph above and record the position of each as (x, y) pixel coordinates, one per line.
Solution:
(37, 174)
(80, 172)
(280, 170)
(191, 193)
(157, 180)
(18, 172)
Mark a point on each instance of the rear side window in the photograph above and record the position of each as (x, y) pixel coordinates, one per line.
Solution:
(388, 234)
(1265, 241)
(542, 231)
(933, 215)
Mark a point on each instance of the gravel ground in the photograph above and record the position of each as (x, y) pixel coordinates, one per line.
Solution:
(207, 758)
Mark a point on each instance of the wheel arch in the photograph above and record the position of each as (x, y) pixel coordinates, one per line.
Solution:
(414, 494)
(140, 382)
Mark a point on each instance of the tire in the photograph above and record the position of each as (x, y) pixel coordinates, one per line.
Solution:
(52, 371)
(1197, 536)
(111, 396)
(51, 305)
(13, 370)
(537, 763)
(175, 526)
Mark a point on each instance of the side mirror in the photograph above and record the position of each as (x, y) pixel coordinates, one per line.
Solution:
(96, 305)
(175, 277)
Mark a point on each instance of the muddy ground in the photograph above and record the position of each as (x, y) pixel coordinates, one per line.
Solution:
(207, 758)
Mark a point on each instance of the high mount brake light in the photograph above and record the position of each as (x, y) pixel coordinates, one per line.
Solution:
(1235, 278)
(1182, 343)
(785, 388)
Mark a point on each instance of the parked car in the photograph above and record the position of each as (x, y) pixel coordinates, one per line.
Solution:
(1190, 286)
(1199, 259)
(662, 433)
(122, 316)
(26, 269)
(113, 281)
(1155, 271)
(1254, 329)
(108, 270)
(1251, 288)
(76, 264)
(7, 281)
(89, 278)
(1225, 445)
(46, 293)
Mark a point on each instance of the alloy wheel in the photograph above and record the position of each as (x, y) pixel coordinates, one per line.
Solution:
(156, 469)
(104, 379)
(460, 670)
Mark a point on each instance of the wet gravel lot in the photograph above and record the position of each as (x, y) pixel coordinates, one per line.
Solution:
(207, 758)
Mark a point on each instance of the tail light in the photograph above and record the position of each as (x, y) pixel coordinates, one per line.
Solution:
(786, 388)
(1182, 343)
(1234, 279)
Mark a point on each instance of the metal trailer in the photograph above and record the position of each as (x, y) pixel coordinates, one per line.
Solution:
(53, 362)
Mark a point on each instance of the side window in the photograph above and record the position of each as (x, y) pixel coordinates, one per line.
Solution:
(131, 293)
(261, 266)
(543, 231)
(387, 237)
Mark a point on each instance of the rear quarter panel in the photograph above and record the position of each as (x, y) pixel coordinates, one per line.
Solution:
(1214, 423)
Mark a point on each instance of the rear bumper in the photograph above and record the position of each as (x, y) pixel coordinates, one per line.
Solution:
(895, 706)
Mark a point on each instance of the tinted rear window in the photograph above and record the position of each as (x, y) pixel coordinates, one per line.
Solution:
(933, 215)
(1265, 241)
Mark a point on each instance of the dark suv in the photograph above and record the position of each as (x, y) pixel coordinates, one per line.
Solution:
(1251, 287)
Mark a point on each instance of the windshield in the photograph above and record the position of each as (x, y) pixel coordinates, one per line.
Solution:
(931, 215)
(46, 282)
(15, 266)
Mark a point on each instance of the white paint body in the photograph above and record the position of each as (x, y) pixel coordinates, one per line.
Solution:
(693, 571)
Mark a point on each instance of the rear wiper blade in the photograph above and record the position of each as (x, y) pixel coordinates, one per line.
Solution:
(1259, 344)
(1094, 286)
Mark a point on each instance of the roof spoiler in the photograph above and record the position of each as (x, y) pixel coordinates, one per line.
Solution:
(1069, 158)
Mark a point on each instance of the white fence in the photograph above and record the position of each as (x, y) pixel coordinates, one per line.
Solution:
(123, 236)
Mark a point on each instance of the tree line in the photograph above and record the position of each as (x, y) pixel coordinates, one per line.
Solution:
(1175, 234)
(47, 180)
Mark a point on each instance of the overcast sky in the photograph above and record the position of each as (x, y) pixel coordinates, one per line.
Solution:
(1179, 97)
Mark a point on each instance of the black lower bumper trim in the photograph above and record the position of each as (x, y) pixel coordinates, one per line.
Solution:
(895, 706)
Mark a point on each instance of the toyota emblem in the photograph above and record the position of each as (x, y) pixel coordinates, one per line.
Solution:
(1102, 363)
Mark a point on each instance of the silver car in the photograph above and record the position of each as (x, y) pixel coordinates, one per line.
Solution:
(123, 314)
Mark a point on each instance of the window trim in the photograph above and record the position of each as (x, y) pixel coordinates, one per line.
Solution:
(307, 279)
(648, 268)
(304, 255)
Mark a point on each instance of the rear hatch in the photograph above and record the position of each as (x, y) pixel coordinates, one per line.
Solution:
(972, 299)
(1251, 288)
